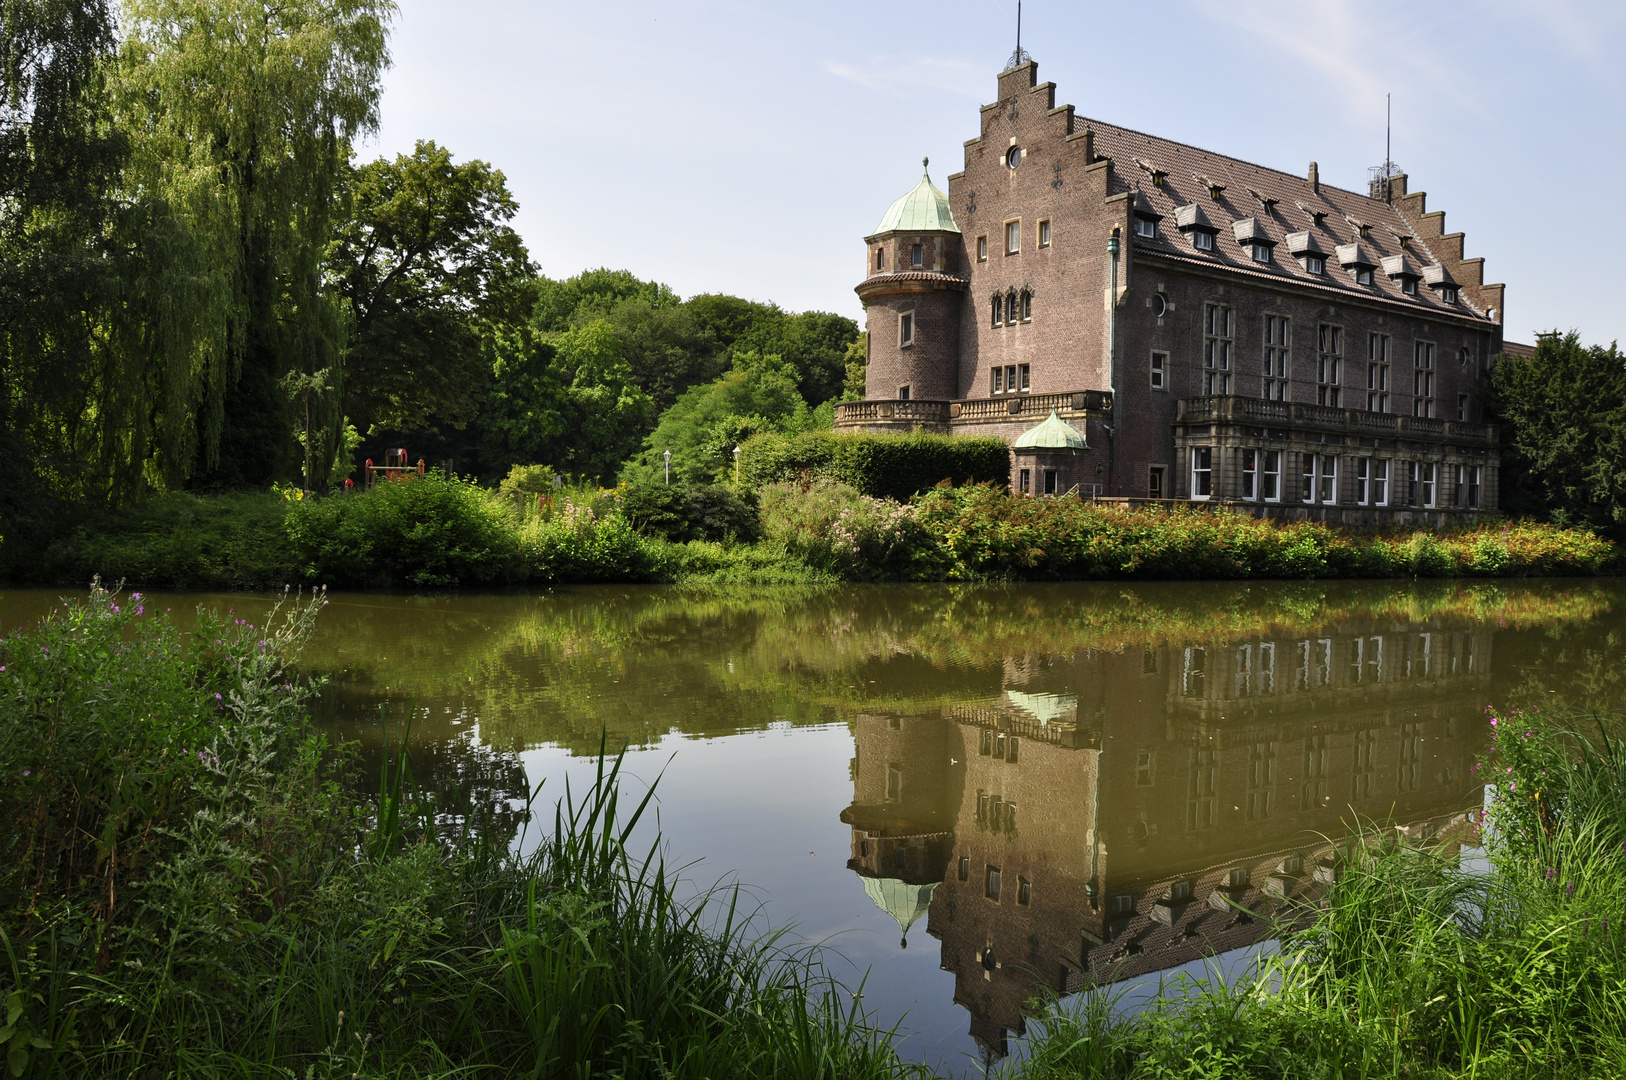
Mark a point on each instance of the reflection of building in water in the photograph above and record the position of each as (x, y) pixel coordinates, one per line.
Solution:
(1107, 814)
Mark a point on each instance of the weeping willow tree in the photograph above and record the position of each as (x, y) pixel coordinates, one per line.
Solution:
(241, 114)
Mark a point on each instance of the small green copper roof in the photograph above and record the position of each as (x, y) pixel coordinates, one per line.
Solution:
(899, 899)
(1054, 434)
(925, 209)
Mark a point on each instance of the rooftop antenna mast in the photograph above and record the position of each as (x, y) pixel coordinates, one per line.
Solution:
(1378, 177)
(1018, 58)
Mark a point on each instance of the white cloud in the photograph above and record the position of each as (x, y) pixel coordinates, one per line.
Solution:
(902, 74)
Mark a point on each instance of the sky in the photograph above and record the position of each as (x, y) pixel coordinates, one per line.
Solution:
(747, 148)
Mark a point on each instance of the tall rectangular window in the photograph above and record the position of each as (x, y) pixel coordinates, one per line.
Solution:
(1023, 373)
(1327, 479)
(1270, 476)
(996, 383)
(1050, 481)
(1472, 481)
(1160, 371)
(1013, 237)
(1025, 481)
(1044, 234)
(998, 309)
(1423, 379)
(1377, 373)
(1420, 483)
(1202, 472)
(1278, 334)
(1363, 481)
(1380, 482)
(1462, 406)
(1329, 364)
(1307, 486)
(982, 249)
(1154, 482)
(917, 255)
(1216, 349)
(1202, 804)
(1428, 480)
(906, 329)
(1250, 474)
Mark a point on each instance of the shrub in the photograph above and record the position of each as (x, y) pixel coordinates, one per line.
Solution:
(430, 532)
(578, 543)
(835, 528)
(682, 512)
(883, 466)
(527, 480)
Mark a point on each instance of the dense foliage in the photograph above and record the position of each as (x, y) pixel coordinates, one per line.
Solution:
(1563, 413)
(892, 466)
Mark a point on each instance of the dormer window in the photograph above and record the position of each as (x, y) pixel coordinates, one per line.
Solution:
(1146, 216)
(1146, 227)
(1353, 257)
(1251, 234)
(1191, 220)
(1438, 278)
(1363, 275)
(1315, 264)
(1449, 295)
(1399, 270)
(1408, 286)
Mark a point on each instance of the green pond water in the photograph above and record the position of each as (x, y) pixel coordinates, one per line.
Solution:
(974, 794)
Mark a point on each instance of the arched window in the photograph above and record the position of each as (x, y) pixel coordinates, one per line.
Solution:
(1013, 310)
(999, 311)
(1027, 306)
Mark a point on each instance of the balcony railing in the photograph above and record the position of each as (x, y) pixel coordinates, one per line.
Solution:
(1295, 414)
(1027, 406)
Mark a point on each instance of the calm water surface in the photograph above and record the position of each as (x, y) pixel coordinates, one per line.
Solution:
(974, 793)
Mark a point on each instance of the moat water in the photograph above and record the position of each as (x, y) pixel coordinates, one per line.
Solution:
(977, 794)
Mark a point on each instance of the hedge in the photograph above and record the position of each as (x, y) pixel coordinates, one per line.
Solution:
(889, 466)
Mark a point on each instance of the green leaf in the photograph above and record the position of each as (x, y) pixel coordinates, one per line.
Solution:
(17, 1060)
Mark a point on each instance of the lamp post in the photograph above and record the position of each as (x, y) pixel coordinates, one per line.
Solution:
(668, 456)
(736, 464)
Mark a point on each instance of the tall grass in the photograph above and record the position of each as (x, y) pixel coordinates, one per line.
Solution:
(189, 891)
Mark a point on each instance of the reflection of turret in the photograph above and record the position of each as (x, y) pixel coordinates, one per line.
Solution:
(1110, 815)
(905, 785)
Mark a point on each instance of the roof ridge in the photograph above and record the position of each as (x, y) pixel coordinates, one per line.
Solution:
(1088, 121)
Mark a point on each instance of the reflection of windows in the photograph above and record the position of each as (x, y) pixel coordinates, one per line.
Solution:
(1411, 753)
(985, 744)
(1357, 661)
(1145, 767)
(1123, 904)
(1201, 804)
(1323, 662)
(1267, 667)
(964, 869)
(1244, 672)
(1374, 659)
(1180, 890)
(1301, 675)
(1193, 672)
(990, 883)
(1261, 780)
(900, 858)
(1366, 746)
(894, 783)
(982, 807)
(1148, 663)
(1315, 772)
(1010, 750)
(1024, 889)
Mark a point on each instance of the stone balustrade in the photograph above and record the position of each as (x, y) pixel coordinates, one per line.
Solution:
(1298, 415)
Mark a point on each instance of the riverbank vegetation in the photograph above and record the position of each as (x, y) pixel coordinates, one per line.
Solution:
(204, 891)
(440, 532)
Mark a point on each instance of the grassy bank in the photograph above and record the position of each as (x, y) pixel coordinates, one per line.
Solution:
(185, 889)
(433, 534)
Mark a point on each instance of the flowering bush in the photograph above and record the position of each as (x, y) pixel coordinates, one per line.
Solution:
(834, 528)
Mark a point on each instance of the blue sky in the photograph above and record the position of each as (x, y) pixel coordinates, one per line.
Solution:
(748, 147)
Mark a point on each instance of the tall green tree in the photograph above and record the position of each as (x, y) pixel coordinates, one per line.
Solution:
(1563, 413)
(431, 267)
(72, 418)
(242, 113)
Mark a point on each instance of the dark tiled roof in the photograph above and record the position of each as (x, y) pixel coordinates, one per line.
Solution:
(1283, 202)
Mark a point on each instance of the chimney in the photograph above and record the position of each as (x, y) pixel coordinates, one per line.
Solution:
(1315, 178)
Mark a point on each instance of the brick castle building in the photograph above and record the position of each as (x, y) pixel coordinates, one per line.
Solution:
(1202, 327)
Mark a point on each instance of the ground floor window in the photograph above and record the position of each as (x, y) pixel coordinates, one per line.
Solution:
(1154, 482)
(1467, 493)
(1024, 482)
(1371, 482)
(1050, 481)
(1250, 474)
(1320, 483)
(1202, 472)
(1270, 478)
(1420, 483)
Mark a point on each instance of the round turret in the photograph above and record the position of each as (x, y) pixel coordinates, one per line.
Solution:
(912, 294)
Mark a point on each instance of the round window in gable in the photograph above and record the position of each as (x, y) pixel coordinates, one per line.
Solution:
(1160, 305)
(1013, 157)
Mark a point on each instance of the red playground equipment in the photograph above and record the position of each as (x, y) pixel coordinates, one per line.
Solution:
(395, 467)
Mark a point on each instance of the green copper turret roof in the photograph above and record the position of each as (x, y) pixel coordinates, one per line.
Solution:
(1054, 434)
(925, 209)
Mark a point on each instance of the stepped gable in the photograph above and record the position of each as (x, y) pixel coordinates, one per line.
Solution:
(1284, 203)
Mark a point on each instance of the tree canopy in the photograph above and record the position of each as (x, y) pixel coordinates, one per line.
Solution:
(1563, 413)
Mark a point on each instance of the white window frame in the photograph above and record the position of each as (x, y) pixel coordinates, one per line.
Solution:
(1327, 479)
(1270, 476)
(1219, 342)
(1380, 481)
(1422, 402)
(906, 329)
(982, 249)
(1278, 348)
(1146, 227)
(1202, 472)
(1202, 241)
(1044, 232)
(1250, 473)
(1013, 237)
(1377, 373)
(1261, 253)
(1329, 365)
(1159, 370)
(1363, 481)
(1026, 481)
(1363, 275)
(1449, 295)
(1315, 264)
